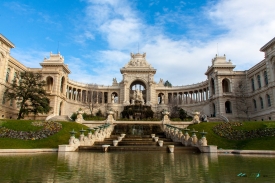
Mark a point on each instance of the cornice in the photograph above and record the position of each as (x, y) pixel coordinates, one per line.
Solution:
(266, 46)
(256, 67)
(6, 41)
(135, 70)
(65, 67)
(17, 63)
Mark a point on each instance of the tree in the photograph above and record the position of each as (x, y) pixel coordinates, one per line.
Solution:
(173, 107)
(241, 99)
(28, 90)
(168, 84)
(92, 98)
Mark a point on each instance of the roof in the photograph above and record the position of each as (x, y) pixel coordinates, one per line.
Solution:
(268, 44)
(6, 41)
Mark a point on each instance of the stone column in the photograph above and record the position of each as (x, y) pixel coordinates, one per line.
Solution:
(125, 90)
(80, 95)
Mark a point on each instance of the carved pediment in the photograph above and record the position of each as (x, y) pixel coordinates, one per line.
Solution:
(138, 60)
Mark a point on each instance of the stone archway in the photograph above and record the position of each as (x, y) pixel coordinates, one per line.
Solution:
(138, 92)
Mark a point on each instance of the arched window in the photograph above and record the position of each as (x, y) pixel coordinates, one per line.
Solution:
(114, 97)
(261, 102)
(213, 86)
(259, 81)
(60, 108)
(15, 75)
(11, 102)
(228, 107)
(255, 104)
(252, 84)
(49, 82)
(268, 100)
(8, 74)
(265, 78)
(4, 99)
(225, 85)
(62, 84)
(214, 110)
(160, 98)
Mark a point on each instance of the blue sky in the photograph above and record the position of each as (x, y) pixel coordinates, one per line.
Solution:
(180, 38)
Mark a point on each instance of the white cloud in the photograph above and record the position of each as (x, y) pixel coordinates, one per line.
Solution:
(30, 58)
(241, 28)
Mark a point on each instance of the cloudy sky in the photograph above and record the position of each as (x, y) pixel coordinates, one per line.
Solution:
(180, 38)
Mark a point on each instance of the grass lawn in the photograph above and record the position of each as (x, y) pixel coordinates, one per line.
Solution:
(62, 137)
(264, 143)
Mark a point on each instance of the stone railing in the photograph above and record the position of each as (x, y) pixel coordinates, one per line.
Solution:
(100, 133)
(177, 135)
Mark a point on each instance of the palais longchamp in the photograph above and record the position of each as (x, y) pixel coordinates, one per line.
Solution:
(225, 95)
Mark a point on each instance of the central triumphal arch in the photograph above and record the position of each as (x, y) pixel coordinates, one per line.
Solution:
(138, 80)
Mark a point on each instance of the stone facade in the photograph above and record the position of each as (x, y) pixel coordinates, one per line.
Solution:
(215, 97)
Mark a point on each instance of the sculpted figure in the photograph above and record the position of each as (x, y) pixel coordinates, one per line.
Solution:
(114, 80)
(113, 98)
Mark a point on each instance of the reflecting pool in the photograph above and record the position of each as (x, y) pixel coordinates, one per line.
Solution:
(135, 167)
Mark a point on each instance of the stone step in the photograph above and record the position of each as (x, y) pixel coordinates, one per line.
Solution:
(137, 143)
(138, 139)
(139, 148)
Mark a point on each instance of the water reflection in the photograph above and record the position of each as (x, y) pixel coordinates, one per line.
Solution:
(134, 167)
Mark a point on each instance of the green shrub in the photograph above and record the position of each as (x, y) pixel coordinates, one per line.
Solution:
(99, 113)
(74, 116)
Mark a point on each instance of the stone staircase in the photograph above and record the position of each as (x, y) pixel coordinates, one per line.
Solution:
(215, 119)
(60, 118)
(138, 143)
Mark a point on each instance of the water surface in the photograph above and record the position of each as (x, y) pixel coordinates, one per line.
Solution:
(135, 167)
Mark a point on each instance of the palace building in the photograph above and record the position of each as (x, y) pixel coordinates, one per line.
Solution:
(217, 97)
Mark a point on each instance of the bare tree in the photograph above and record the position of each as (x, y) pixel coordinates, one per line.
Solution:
(173, 106)
(242, 102)
(93, 98)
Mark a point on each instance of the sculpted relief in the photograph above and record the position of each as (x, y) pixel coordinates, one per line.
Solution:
(138, 60)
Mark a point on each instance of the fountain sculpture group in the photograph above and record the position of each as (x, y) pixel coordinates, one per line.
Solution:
(104, 131)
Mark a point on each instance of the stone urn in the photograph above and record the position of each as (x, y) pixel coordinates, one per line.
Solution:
(165, 112)
(122, 135)
(165, 119)
(115, 142)
(196, 117)
(110, 118)
(105, 148)
(156, 139)
(160, 142)
(153, 135)
(171, 148)
(110, 112)
(79, 117)
(119, 139)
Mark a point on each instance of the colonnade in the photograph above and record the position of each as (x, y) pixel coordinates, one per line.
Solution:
(84, 95)
(188, 97)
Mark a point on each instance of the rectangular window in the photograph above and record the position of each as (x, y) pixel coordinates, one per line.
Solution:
(265, 78)
(259, 81)
(262, 102)
(252, 84)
